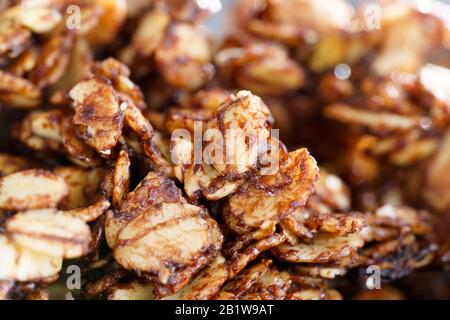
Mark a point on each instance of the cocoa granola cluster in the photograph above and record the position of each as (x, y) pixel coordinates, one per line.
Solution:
(101, 106)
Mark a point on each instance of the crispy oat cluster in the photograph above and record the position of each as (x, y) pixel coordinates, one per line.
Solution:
(101, 106)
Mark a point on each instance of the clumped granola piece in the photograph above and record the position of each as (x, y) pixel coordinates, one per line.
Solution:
(237, 138)
(176, 238)
(244, 250)
(408, 246)
(325, 243)
(327, 211)
(262, 204)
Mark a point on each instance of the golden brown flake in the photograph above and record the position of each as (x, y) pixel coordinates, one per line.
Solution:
(31, 189)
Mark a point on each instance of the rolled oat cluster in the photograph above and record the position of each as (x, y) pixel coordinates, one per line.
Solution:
(146, 156)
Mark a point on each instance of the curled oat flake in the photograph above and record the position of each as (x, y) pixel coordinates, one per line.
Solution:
(326, 211)
(90, 213)
(249, 251)
(153, 189)
(121, 179)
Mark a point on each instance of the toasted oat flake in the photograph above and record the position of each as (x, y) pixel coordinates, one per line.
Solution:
(31, 189)
(22, 264)
(324, 248)
(50, 232)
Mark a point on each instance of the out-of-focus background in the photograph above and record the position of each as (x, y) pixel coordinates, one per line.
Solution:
(219, 20)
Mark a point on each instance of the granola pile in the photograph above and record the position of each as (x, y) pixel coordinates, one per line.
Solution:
(144, 154)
